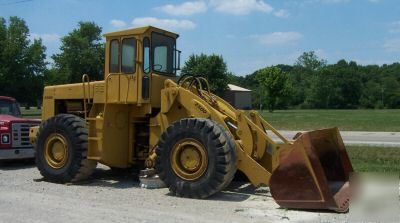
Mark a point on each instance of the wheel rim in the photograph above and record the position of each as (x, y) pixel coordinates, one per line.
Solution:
(189, 159)
(56, 151)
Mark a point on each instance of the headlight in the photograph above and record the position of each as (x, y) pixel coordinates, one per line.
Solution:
(5, 138)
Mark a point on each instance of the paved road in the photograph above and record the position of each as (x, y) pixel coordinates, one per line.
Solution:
(385, 139)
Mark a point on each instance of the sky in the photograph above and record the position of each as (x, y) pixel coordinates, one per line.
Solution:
(249, 34)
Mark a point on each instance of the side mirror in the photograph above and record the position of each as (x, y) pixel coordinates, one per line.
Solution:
(177, 60)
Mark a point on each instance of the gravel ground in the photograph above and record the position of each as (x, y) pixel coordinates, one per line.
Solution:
(107, 197)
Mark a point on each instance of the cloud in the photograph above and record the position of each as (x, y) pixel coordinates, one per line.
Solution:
(240, 7)
(282, 13)
(234, 7)
(394, 27)
(278, 38)
(392, 45)
(47, 38)
(328, 1)
(118, 23)
(164, 23)
(185, 9)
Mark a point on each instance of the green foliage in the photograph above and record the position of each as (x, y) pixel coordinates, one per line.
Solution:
(53, 76)
(374, 159)
(212, 67)
(81, 53)
(371, 95)
(391, 92)
(303, 76)
(274, 82)
(22, 62)
(309, 61)
(315, 84)
(336, 86)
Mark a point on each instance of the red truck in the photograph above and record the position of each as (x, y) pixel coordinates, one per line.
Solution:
(14, 131)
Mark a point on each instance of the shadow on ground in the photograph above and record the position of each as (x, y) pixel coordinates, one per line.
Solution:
(7, 165)
(239, 191)
(121, 179)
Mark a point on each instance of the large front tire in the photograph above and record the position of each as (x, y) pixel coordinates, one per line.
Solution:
(61, 149)
(196, 158)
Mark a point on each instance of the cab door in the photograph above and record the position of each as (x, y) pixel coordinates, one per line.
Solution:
(129, 70)
(144, 73)
(112, 70)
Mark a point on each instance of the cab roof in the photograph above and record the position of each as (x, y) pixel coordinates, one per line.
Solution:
(139, 30)
(7, 98)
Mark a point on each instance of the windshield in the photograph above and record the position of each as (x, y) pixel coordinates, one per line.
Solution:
(164, 53)
(9, 108)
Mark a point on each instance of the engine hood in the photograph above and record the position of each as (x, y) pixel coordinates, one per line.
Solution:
(10, 118)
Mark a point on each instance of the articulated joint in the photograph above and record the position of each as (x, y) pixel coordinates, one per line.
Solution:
(150, 162)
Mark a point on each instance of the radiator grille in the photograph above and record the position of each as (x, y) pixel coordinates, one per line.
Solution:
(20, 134)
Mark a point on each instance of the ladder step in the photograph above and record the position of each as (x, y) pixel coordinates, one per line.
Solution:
(94, 119)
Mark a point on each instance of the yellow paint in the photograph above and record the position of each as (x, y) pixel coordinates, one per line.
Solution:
(120, 121)
(56, 151)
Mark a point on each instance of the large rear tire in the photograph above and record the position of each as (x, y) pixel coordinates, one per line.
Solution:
(196, 158)
(61, 149)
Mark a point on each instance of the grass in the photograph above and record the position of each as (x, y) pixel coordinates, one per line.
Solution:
(33, 112)
(386, 120)
(374, 159)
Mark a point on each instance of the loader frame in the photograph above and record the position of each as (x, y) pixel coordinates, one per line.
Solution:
(126, 114)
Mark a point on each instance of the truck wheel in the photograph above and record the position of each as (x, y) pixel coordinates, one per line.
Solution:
(61, 149)
(196, 158)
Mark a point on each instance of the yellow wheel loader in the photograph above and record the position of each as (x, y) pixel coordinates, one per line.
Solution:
(142, 116)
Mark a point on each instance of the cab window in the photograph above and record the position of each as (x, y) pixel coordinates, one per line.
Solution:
(163, 50)
(146, 55)
(161, 59)
(128, 55)
(114, 56)
(9, 108)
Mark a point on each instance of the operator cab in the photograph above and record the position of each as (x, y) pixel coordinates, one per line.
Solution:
(138, 61)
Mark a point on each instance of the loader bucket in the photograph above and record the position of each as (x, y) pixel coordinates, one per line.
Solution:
(313, 173)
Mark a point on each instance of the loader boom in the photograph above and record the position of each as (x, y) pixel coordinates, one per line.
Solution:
(256, 149)
(315, 160)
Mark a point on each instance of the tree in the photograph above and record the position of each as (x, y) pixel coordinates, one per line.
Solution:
(372, 95)
(302, 74)
(22, 62)
(3, 44)
(212, 67)
(274, 82)
(390, 92)
(81, 53)
(310, 61)
(336, 86)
